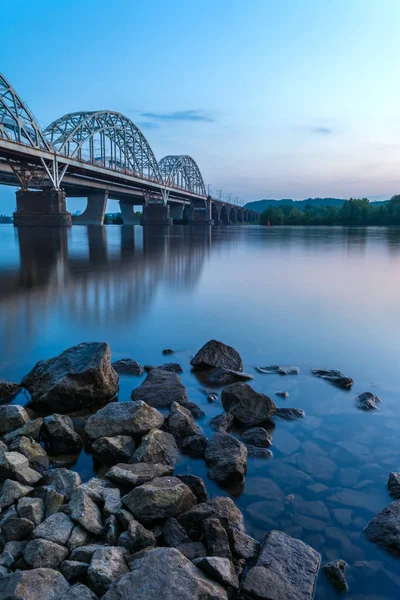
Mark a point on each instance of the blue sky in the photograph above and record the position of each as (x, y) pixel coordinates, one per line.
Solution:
(272, 99)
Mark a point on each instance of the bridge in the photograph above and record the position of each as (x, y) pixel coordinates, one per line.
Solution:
(99, 155)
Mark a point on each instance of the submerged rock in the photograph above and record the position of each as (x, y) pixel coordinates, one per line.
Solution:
(384, 528)
(335, 573)
(280, 370)
(160, 389)
(394, 485)
(221, 376)
(246, 405)
(80, 376)
(127, 366)
(290, 414)
(367, 401)
(123, 418)
(219, 355)
(227, 457)
(335, 377)
(171, 367)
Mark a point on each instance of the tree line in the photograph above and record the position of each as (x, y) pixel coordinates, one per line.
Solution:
(353, 212)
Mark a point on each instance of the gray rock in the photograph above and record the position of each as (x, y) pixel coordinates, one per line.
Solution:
(256, 436)
(166, 573)
(197, 486)
(79, 592)
(123, 418)
(11, 492)
(108, 565)
(31, 509)
(220, 507)
(219, 377)
(33, 451)
(384, 528)
(192, 550)
(226, 457)
(16, 549)
(56, 528)
(196, 411)
(7, 388)
(72, 569)
(80, 376)
(78, 537)
(157, 447)
(367, 401)
(112, 450)
(85, 512)
(61, 435)
(112, 501)
(16, 466)
(53, 502)
(349, 497)
(64, 481)
(246, 405)
(283, 394)
(32, 429)
(255, 452)
(172, 367)
(194, 445)
(286, 568)
(335, 573)
(220, 570)
(137, 538)
(159, 499)
(181, 423)
(95, 488)
(160, 389)
(85, 553)
(174, 533)
(222, 421)
(44, 554)
(219, 355)
(243, 545)
(14, 528)
(393, 485)
(37, 584)
(111, 531)
(127, 366)
(216, 538)
(279, 370)
(290, 414)
(12, 416)
(133, 475)
(335, 377)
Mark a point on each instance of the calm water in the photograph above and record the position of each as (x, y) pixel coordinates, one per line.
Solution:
(312, 297)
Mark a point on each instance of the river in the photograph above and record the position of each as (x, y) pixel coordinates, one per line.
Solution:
(310, 297)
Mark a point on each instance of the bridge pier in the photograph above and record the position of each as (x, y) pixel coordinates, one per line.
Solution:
(128, 213)
(156, 214)
(201, 213)
(46, 209)
(94, 211)
(176, 212)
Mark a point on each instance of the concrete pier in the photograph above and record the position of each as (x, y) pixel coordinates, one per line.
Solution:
(156, 214)
(94, 211)
(46, 208)
(128, 213)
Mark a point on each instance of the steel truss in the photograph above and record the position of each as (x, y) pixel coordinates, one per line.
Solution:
(182, 172)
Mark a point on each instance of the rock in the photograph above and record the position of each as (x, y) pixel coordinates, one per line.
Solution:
(11, 492)
(16, 466)
(171, 367)
(219, 355)
(79, 592)
(286, 568)
(16, 549)
(283, 394)
(218, 377)
(56, 528)
(279, 369)
(61, 435)
(222, 508)
(367, 401)
(111, 531)
(108, 565)
(7, 388)
(31, 509)
(220, 570)
(112, 501)
(393, 485)
(165, 573)
(168, 351)
(137, 538)
(157, 447)
(192, 550)
(349, 497)
(72, 569)
(256, 436)
(85, 553)
(335, 377)
(81, 376)
(53, 502)
(33, 451)
(127, 366)
(158, 499)
(335, 573)
(85, 512)
(194, 445)
(160, 389)
(132, 475)
(14, 528)
(123, 418)
(44, 554)
(63, 481)
(226, 457)
(216, 538)
(223, 421)
(6, 560)
(174, 533)
(212, 397)
(255, 452)
(384, 528)
(12, 417)
(181, 423)
(112, 450)
(290, 414)
(38, 584)
(243, 545)
(197, 486)
(246, 405)
(32, 429)
(196, 411)
(95, 488)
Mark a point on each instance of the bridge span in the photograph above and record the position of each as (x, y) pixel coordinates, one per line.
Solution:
(98, 155)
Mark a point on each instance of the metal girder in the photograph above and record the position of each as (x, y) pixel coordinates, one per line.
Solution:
(181, 171)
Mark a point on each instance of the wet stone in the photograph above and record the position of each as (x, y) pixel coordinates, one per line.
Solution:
(335, 573)
(63, 481)
(394, 485)
(367, 401)
(123, 418)
(279, 370)
(72, 569)
(219, 355)
(223, 421)
(112, 450)
(61, 435)
(226, 458)
(196, 484)
(335, 377)
(219, 569)
(157, 447)
(160, 389)
(127, 366)
(384, 528)
(108, 565)
(246, 405)
(290, 414)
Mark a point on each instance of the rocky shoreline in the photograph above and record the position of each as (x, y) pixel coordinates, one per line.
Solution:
(140, 531)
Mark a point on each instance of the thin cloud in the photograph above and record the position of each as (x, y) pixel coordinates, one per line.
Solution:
(185, 115)
(147, 125)
(322, 130)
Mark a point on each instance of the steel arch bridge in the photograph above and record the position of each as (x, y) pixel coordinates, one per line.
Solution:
(182, 172)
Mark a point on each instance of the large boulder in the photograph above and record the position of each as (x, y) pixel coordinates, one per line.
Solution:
(220, 570)
(246, 405)
(286, 568)
(159, 499)
(137, 537)
(37, 584)
(157, 447)
(384, 528)
(44, 554)
(108, 564)
(32, 429)
(165, 573)
(132, 475)
(123, 418)
(127, 366)
(160, 389)
(80, 376)
(61, 435)
(226, 458)
(219, 355)
(57, 528)
(12, 417)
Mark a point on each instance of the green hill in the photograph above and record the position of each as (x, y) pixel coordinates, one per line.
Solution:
(261, 205)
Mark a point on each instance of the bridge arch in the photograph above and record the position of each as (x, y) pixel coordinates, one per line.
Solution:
(223, 215)
(106, 139)
(181, 171)
(239, 215)
(17, 123)
(246, 216)
(214, 213)
(232, 215)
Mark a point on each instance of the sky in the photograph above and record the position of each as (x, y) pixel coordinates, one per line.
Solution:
(272, 99)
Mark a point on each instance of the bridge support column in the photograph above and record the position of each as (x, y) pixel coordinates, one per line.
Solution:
(94, 211)
(201, 213)
(176, 212)
(46, 208)
(156, 214)
(128, 214)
